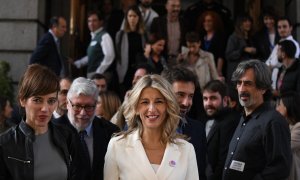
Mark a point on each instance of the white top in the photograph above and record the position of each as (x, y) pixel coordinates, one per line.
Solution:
(155, 167)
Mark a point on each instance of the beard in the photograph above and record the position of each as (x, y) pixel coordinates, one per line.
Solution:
(246, 103)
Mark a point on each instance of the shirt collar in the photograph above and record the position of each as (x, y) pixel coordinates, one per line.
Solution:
(93, 34)
(52, 33)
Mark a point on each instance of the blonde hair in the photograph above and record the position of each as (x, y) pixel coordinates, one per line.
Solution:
(110, 102)
(172, 119)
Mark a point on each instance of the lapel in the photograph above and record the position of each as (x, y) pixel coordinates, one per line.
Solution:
(140, 159)
(169, 162)
(99, 145)
(212, 131)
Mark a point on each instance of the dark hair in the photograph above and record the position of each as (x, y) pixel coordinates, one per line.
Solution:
(98, 76)
(291, 100)
(192, 37)
(3, 101)
(284, 18)
(270, 12)
(154, 37)
(54, 21)
(238, 23)
(288, 47)
(262, 74)
(37, 80)
(144, 66)
(216, 86)
(180, 73)
(97, 13)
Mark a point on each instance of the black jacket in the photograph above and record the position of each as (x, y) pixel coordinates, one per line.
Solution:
(291, 79)
(16, 152)
(218, 140)
(102, 133)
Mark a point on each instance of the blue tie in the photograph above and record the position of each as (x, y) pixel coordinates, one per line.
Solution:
(86, 154)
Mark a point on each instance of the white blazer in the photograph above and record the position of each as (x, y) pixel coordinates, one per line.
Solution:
(126, 159)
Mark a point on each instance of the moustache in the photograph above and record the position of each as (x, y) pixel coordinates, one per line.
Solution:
(244, 94)
(209, 107)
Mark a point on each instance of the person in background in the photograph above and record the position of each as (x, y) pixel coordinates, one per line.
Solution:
(289, 73)
(153, 54)
(184, 84)
(284, 28)
(288, 106)
(64, 86)
(129, 42)
(260, 147)
(240, 45)
(5, 114)
(100, 53)
(151, 148)
(148, 13)
(100, 81)
(213, 39)
(267, 38)
(172, 28)
(93, 133)
(48, 50)
(220, 125)
(197, 60)
(107, 105)
(27, 149)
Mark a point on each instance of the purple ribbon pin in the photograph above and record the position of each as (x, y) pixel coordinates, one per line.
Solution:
(172, 163)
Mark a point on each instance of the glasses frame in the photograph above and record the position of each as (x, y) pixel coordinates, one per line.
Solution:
(79, 108)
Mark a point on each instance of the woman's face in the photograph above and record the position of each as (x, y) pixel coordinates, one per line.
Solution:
(152, 109)
(7, 110)
(208, 23)
(158, 46)
(269, 22)
(133, 19)
(39, 109)
(246, 25)
(99, 107)
(281, 109)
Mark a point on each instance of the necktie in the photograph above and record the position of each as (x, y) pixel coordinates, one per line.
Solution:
(85, 154)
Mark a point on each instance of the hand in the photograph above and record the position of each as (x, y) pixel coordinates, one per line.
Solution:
(147, 50)
(250, 50)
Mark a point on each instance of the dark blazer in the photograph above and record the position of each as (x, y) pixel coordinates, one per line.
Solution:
(159, 26)
(291, 79)
(196, 132)
(218, 141)
(102, 132)
(46, 53)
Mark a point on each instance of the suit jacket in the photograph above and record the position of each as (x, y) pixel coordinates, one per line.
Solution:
(195, 130)
(46, 53)
(126, 159)
(218, 141)
(160, 26)
(295, 145)
(102, 132)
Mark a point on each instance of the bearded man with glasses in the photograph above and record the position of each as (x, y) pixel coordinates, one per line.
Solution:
(94, 133)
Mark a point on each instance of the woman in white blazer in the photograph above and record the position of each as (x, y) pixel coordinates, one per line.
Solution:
(151, 149)
(288, 106)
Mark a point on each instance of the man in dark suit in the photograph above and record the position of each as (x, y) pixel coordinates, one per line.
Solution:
(184, 84)
(94, 133)
(172, 28)
(48, 52)
(220, 126)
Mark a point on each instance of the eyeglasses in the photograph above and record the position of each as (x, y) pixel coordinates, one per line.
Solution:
(77, 107)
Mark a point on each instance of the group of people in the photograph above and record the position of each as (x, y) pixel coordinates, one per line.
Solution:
(162, 100)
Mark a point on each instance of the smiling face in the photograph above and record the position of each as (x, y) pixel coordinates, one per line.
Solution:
(81, 117)
(208, 23)
(269, 22)
(152, 109)
(39, 110)
(173, 8)
(184, 94)
(284, 28)
(250, 96)
(158, 46)
(212, 102)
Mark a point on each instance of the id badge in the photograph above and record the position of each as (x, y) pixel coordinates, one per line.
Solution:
(237, 165)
